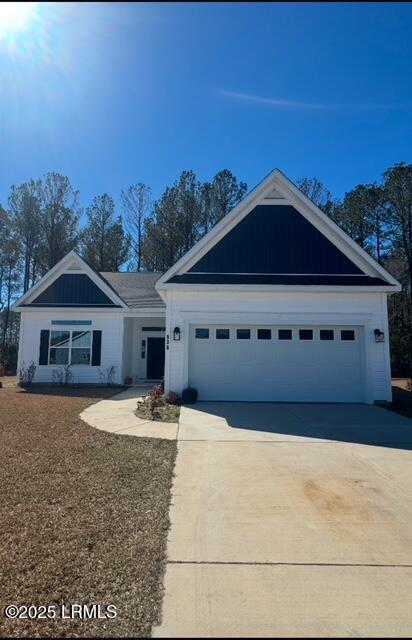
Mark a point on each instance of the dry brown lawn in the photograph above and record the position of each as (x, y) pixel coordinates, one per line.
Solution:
(8, 381)
(83, 515)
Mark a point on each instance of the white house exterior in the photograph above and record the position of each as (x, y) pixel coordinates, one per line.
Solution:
(276, 303)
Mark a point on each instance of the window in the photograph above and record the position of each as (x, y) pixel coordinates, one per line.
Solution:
(243, 334)
(222, 334)
(70, 347)
(59, 347)
(305, 334)
(153, 329)
(202, 334)
(347, 334)
(81, 347)
(264, 334)
(285, 334)
(327, 334)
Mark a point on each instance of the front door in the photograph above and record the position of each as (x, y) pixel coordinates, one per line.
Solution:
(155, 358)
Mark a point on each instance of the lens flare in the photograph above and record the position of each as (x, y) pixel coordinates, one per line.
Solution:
(16, 17)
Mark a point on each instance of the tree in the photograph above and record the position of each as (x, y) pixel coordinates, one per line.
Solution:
(316, 191)
(206, 213)
(184, 214)
(10, 277)
(4, 230)
(136, 205)
(226, 193)
(118, 246)
(59, 219)
(161, 245)
(25, 209)
(378, 221)
(187, 191)
(354, 215)
(397, 186)
(105, 246)
(173, 227)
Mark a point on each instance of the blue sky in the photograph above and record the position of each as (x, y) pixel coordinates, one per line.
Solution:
(114, 94)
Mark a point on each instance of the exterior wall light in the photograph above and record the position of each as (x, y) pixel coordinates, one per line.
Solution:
(176, 334)
(379, 335)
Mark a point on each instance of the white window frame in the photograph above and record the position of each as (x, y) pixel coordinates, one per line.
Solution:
(70, 348)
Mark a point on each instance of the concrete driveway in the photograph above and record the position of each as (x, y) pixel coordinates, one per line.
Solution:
(290, 520)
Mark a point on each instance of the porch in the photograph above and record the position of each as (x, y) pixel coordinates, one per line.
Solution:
(143, 348)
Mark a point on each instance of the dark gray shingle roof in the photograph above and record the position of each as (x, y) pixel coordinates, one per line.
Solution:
(136, 289)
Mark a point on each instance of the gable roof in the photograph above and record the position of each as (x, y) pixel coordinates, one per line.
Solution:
(72, 282)
(71, 264)
(72, 289)
(277, 195)
(136, 289)
(275, 239)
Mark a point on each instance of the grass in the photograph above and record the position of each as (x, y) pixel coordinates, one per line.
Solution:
(83, 514)
(8, 381)
(164, 413)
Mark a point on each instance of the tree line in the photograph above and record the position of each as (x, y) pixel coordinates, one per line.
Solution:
(378, 216)
(42, 221)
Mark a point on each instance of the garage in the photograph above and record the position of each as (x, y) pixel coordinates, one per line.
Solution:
(278, 363)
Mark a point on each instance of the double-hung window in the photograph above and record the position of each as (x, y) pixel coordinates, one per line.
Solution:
(70, 347)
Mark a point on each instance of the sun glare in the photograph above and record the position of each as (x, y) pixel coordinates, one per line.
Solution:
(16, 16)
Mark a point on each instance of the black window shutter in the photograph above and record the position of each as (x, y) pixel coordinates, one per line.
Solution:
(44, 346)
(96, 348)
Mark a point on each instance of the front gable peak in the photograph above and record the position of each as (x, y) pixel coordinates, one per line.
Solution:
(70, 283)
(275, 239)
(277, 236)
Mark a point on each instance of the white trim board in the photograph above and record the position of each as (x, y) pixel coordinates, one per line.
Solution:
(138, 313)
(280, 287)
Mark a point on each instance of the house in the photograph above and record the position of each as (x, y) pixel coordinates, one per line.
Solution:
(276, 303)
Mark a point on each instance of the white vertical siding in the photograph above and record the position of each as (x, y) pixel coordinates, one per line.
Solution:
(110, 324)
(368, 310)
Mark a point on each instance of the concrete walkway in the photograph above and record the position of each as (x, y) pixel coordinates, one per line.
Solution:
(290, 521)
(117, 415)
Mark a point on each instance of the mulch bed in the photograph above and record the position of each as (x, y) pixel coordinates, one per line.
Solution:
(83, 515)
(164, 413)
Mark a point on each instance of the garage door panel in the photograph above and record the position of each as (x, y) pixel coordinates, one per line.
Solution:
(278, 370)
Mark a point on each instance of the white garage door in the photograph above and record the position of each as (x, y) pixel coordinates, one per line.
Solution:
(277, 363)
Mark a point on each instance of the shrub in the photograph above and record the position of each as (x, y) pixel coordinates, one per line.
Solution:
(108, 376)
(189, 395)
(26, 375)
(62, 376)
(155, 397)
(128, 380)
(174, 398)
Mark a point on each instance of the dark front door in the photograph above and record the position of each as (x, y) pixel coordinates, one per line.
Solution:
(155, 358)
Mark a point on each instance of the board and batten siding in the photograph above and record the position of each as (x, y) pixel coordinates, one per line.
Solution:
(368, 310)
(109, 323)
